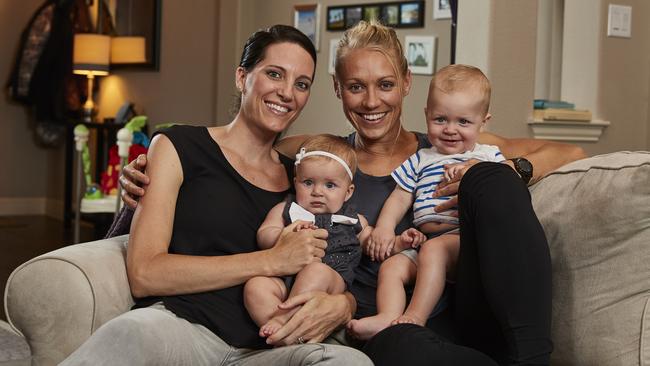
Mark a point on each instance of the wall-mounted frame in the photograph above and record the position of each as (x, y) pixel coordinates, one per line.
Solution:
(399, 14)
(441, 9)
(420, 54)
(138, 18)
(306, 18)
(334, 42)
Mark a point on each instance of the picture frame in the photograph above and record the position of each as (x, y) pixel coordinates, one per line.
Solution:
(335, 18)
(441, 9)
(334, 42)
(396, 14)
(371, 12)
(420, 52)
(390, 15)
(306, 18)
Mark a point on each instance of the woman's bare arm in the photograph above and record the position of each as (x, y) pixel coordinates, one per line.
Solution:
(154, 271)
(545, 156)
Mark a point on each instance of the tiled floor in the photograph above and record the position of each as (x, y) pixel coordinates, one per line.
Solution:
(25, 237)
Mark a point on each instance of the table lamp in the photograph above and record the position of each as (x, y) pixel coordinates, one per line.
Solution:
(91, 58)
(128, 50)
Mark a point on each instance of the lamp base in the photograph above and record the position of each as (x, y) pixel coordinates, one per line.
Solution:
(89, 115)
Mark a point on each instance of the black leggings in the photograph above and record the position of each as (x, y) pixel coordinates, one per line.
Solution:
(502, 310)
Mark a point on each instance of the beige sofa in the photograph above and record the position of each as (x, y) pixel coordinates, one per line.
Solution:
(596, 214)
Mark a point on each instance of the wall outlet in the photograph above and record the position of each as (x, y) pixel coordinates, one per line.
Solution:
(619, 21)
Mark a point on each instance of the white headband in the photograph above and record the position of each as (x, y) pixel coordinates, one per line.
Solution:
(302, 154)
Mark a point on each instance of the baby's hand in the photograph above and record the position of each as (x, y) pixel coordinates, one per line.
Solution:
(380, 243)
(304, 225)
(410, 238)
(453, 171)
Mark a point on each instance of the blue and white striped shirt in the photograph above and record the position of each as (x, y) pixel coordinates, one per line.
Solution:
(421, 173)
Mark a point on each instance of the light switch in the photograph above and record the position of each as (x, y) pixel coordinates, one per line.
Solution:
(619, 21)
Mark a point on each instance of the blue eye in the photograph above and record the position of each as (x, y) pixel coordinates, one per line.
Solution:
(330, 185)
(440, 120)
(463, 122)
(307, 182)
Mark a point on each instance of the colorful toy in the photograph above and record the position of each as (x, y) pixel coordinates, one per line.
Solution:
(131, 142)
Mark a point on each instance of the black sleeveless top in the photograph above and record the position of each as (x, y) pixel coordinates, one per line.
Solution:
(217, 213)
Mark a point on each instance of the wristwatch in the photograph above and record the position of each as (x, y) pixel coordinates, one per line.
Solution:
(524, 168)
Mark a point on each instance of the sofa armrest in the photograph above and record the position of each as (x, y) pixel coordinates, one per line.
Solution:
(57, 300)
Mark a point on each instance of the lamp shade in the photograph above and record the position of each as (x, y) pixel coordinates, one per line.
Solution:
(127, 50)
(91, 54)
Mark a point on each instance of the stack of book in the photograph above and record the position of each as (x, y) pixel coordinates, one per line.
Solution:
(549, 110)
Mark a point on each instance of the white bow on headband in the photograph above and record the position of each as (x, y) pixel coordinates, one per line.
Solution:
(303, 154)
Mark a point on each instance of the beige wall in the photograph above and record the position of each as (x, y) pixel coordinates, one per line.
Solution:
(26, 167)
(184, 88)
(622, 74)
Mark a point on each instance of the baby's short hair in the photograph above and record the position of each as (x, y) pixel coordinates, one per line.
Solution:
(334, 145)
(460, 77)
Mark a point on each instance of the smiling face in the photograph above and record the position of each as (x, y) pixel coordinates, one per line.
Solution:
(275, 91)
(454, 119)
(370, 92)
(322, 185)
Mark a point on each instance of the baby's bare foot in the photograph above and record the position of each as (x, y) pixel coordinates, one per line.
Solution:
(366, 328)
(407, 318)
(271, 327)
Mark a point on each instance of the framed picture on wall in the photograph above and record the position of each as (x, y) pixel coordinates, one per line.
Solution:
(335, 18)
(371, 12)
(332, 56)
(441, 9)
(411, 14)
(390, 15)
(420, 54)
(396, 14)
(306, 19)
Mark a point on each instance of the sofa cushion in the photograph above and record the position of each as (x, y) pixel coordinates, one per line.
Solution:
(596, 215)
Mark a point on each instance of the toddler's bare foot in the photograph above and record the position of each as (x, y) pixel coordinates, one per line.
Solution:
(271, 327)
(407, 318)
(366, 328)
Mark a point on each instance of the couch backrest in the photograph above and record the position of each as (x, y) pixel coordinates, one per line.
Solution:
(596, 215)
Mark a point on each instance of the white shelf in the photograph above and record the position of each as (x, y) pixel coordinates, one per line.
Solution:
(568, 130)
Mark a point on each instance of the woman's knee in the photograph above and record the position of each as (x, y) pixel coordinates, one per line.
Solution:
(331, 354)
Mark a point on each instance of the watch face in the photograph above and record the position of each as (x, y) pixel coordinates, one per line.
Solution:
(524, 168)
(525, 165)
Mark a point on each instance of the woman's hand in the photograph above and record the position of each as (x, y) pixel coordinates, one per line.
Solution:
(449, 187)
(296, 249)
(380, 243)
(320, 314)
(132, 179)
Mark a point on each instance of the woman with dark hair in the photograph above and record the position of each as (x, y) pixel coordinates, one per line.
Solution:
(192, 245)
